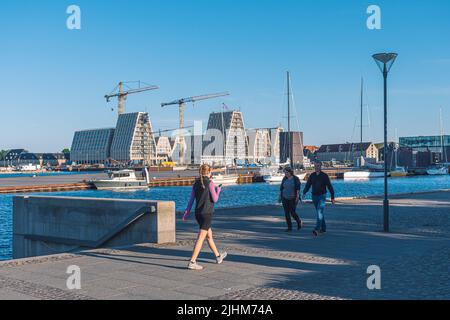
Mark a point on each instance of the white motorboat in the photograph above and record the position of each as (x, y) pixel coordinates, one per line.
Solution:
(123, 179)
(437, 171)
(225, 179)
(273, 177)
(278, 177)
(363, 174)
(29, 167)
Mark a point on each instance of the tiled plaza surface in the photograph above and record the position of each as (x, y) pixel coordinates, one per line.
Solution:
(264, 262)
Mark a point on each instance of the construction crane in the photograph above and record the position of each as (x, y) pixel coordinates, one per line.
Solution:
(122, 95)
(168, 130)
(181, 105)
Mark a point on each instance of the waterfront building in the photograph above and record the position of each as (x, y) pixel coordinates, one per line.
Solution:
(53, 159)
(291, 141)
(275, 144)
(348, 152)
(439, 146)
(230, 127)
(134, 141)
(164, 148)
(11, 157)
(310, 149)
(19, 157)
(29, 158)
(310, 153)
(195, 144)
(91, 146)
(259, 145)
(176, 149)
(413, 159)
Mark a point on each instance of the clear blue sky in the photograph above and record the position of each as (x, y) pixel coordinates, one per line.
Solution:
(53, 80)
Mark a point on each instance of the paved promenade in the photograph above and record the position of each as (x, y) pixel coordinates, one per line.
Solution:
(264, 262)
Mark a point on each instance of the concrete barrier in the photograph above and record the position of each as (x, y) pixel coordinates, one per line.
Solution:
(49, 225)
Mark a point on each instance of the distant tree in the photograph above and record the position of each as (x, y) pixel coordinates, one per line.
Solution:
(66, 150)
(3, 154)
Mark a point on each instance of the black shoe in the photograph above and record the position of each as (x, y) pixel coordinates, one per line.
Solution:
(299, 224)
(315, 233)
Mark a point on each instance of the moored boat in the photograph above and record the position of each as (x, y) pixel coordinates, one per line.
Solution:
(363, 174)
(278, 177)
(437, 171)
(399, 172)
(225, 179)
(122, 179)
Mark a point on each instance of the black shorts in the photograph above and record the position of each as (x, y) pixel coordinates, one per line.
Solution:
(204, 221)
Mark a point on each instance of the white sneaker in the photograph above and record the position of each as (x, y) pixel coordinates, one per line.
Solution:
(194, 266)
(220, 258)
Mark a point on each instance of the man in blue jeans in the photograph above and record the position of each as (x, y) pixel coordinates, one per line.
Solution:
(319, 181)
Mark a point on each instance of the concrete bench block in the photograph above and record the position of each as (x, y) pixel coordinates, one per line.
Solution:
(86, 220)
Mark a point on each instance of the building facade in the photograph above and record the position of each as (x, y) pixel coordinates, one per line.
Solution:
(227, 136)
(437, 145)
(14, 155)
(134, 140)
(291, 144)
(347, 152)
(259, 145)
(20, 157)
(164, 148)
(91, 146)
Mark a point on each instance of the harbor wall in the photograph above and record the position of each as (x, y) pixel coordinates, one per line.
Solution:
(50, 225)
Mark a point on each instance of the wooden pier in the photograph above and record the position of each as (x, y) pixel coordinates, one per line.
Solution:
(47, 188)
(189, 181)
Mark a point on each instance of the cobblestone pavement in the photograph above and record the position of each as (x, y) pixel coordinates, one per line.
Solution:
(262, 293)
(264, 262)
(33, 290)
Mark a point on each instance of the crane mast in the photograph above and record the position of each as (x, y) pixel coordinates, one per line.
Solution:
(123, 95)
(181, 107)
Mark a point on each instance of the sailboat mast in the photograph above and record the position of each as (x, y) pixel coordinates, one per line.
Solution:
(361, 120)
(291, 160)
(224, 138)
(444, 153)
(362, 101)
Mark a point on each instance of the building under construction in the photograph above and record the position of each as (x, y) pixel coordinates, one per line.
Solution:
(134, 141)
(131, 142)
(232, 145)
(92, 146)
(264, 145)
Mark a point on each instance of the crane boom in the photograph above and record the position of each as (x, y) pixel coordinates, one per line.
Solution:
(196, 98)
(181, 105)
(122, 95)
(108, 97)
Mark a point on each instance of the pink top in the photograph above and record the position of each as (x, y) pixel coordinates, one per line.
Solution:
(212, 190)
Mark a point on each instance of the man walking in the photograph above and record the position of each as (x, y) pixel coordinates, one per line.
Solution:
(290, 196)
(319, 181)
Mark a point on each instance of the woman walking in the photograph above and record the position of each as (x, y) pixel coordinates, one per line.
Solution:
(290, 196)
(205, 194)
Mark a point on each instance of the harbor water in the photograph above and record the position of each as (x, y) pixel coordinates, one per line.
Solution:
(233, 196)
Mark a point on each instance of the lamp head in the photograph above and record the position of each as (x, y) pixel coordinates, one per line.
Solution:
(385, 60)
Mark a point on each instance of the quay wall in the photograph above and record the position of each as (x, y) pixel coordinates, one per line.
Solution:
(52, 225)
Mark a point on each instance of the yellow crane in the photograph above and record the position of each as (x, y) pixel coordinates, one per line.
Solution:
(181, 105)
(122, 95)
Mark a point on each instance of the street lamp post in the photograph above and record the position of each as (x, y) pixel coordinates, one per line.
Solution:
(385, 62)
